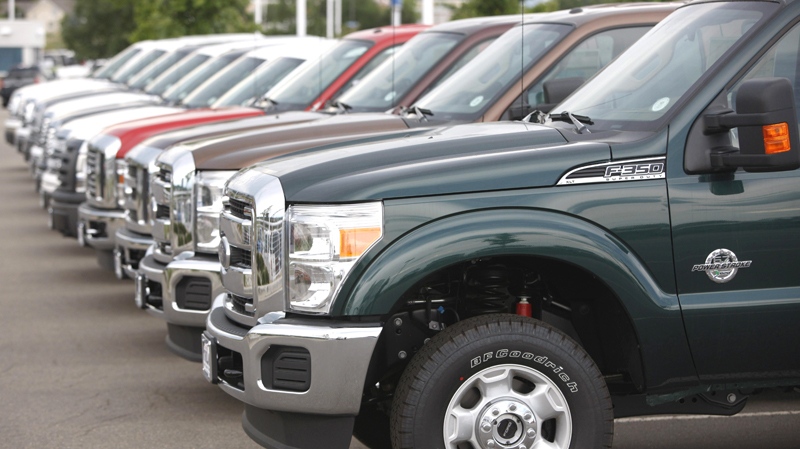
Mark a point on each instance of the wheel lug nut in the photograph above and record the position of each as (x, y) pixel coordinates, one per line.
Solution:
(528, 417)
(486, 427)
(512, 407)
(531, 433)
(490, 443)
(521, 446)
(495, 412)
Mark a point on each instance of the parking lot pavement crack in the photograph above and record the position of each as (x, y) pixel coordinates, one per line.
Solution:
(101, 422)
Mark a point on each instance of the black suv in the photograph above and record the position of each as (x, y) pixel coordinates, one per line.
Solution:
(18, 77)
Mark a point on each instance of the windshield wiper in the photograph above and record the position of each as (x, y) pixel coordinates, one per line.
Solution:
(265, 103)
(579, 121)
(422, 113)
(341, 108)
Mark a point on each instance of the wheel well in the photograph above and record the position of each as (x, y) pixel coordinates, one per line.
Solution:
(562, 295)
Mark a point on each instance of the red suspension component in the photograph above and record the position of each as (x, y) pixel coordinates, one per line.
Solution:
(524, 307)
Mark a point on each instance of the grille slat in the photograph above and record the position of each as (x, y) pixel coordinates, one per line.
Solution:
(237, 209)
(94, 173)
(241, 304)
(162, 212)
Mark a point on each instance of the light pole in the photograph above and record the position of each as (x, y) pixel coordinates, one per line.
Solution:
(397, 10)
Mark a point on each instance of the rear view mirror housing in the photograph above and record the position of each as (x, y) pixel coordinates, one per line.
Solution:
(766, 119)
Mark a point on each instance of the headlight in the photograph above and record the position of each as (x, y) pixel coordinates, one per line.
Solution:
(27, 115)
(120, 168)
(13, 104)
(324, 244)
(50, 140)
(80, 168)
(208, 190)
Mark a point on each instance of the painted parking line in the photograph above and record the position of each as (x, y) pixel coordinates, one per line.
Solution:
(697, 417)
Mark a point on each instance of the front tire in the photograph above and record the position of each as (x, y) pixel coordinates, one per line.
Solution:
(501, 381)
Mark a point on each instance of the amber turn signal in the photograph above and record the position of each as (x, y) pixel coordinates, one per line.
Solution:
(353, 242)
(776, 138)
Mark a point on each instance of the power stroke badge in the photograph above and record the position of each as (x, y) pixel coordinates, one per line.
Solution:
(722, 265)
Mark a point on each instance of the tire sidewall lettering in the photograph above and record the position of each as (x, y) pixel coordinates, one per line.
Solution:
(542, 363)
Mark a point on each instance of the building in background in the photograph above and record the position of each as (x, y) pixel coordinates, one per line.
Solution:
(21, 42)
(49, 12)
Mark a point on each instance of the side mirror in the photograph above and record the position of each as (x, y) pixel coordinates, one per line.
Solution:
(768, 130)
(556, 91)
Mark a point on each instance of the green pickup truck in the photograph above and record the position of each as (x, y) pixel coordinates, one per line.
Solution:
(519, 285)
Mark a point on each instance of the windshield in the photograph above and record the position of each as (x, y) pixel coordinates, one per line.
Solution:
(303, 87)
(157, 68)
(205, 95)
(478, 85)
(657, 71)
(115, 63)
(137, 66)
(175, 73)
(254, 86)
(189, 83)
(387, 84)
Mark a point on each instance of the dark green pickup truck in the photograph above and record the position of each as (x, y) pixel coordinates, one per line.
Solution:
(519, 285)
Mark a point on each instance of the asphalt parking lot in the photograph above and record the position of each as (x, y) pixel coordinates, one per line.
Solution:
(81, 367)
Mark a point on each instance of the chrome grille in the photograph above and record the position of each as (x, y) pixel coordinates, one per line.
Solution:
(236, 215)
(242, 305)
(161, 193)
(252, 248)
(136, 194)
(94, 173)
(238, 209)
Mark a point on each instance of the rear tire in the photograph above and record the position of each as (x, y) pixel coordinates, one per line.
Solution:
(501, 381)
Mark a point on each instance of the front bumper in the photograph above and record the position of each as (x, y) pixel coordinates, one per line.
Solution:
(98, 227)
(11, 125)
(63, 210)
(180, 293)
(131, 248)
(339, 355)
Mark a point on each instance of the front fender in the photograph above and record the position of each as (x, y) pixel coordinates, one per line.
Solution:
(402, 263)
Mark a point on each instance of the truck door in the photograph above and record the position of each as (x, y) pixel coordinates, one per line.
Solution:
(737, 247)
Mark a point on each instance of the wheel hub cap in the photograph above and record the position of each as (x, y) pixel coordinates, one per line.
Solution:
(507, 424)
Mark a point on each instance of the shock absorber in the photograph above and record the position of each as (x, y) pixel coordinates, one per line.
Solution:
(487, 290)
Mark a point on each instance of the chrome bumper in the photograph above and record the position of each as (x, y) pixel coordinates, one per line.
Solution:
(168, 277)
(98, 227)
(130, 249)
(339, 355)
(49, 183)
(11, 126)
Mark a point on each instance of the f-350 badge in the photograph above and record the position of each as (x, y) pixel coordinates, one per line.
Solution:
(721, 265)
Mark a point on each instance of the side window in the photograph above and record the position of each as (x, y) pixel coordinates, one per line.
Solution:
(781, 61)
(574, 68)
(368, 67)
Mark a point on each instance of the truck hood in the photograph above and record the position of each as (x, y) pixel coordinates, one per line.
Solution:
(243, 150)
(459, 159)
(105, 101)
(85, 128)
(199, 134)
(132, 133)
(60, 87)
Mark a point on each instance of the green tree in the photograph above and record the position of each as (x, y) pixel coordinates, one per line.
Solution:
(98, 28)
(158, 19)
(482, 8)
